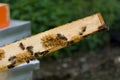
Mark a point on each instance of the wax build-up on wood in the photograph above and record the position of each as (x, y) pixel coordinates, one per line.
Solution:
(43, 43)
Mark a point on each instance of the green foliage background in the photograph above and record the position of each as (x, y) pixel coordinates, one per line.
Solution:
(47, 14)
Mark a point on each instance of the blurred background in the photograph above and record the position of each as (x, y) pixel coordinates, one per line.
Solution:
(95, 58)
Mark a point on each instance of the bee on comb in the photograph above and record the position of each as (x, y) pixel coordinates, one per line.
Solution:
(21, 46)
(70, 42)
(11, 66)
(103, 27)
(52, 40)
(44, 52)
(80, 33)
(84, 29)
(30, 49)
(28, 61)
(60, 36)
(37, 54)
(12, 58)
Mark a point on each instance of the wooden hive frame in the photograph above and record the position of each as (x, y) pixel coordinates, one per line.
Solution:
(43, 43)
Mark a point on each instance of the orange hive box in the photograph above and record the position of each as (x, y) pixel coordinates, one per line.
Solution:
(4, 15)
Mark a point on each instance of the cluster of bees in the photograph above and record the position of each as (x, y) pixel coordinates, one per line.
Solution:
(49, 41)
(55, 40)
(26, 56)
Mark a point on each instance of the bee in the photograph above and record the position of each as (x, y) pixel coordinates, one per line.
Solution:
(60, 36)
(28, 61)
(84, 29)
(31, 59)
(29, 49)
(44, 52)
(11, 65)
(12, 58)
(70, 42)
(37, 54)
(100, 28)
(103, 27)
(81, 33)
(22, 46)
(86, 35)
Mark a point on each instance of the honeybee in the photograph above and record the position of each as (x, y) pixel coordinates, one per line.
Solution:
(37, 54)
(29, 49)
(21, 46)
(103, 27)
(84, 29)
(44, 52)
(28, 61)
(12, 58)
(11, 65)
(70, 42)
(81, 33)
(60, 36)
